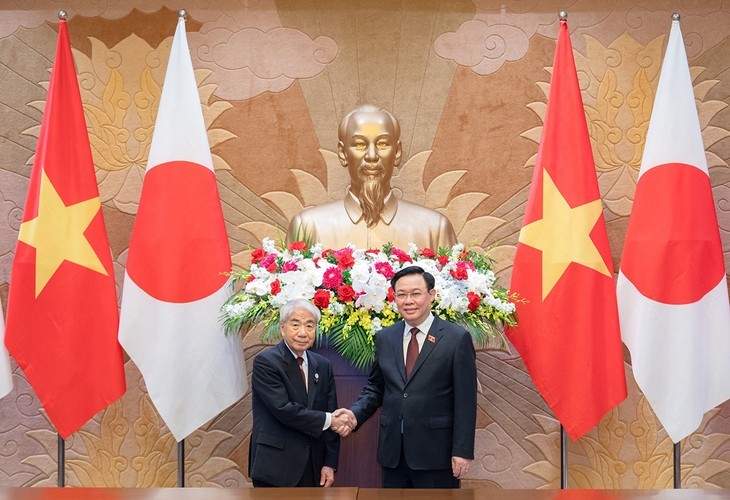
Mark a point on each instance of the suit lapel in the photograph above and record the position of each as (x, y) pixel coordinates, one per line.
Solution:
(436, 331)
(312, 381)
(292, 370)
(397, 338)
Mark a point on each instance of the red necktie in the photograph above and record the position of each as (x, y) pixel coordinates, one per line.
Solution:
(300, 360)
(412, 353)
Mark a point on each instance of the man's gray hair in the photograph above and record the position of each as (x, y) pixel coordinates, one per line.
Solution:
(294, 305)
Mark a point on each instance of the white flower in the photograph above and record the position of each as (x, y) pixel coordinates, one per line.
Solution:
(336, 308)
(269, 246)
(375, 326)
(260, 287)
(477, 282)
(456, 250)
(360, 271)
(413, 249)
(236, 309)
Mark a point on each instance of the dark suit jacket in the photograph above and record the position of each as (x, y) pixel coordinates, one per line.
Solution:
(288, 421)
(436, 407)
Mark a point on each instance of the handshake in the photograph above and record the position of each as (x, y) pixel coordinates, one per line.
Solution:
(343, 422)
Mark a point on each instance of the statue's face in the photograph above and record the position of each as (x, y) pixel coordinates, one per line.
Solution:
(372, 149)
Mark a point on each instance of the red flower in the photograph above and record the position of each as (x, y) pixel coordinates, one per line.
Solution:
(289, 265)
(474, 301)
(401, 255)
(257, 255)
(297, 245)
(327, 253)
(345, 293)
(391, 294)
(250, 278)
(428, 253)
(344, 258)
(385, 269)
(322, 299)
(332, 278)
(373, 251)
(460, 272)
(443, 259)
(272, 267)
(275, 287)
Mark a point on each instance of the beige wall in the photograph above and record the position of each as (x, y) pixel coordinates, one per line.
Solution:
(467, 79)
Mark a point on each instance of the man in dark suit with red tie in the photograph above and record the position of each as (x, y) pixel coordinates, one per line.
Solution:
(424, 377)
(294, 440)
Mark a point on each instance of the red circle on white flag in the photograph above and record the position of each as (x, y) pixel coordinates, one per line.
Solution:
(673, 252)
(179, 246)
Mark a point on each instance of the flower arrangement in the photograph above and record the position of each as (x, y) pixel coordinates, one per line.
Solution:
(351, 287)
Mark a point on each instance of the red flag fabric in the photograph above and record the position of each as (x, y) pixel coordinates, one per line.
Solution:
(62, 314)
(568, 333)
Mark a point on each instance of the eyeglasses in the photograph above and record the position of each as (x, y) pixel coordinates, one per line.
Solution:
(417, 295)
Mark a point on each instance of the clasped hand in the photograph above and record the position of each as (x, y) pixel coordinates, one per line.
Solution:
(343, 422)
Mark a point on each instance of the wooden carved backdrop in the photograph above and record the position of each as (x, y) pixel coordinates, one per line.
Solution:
(468, 81)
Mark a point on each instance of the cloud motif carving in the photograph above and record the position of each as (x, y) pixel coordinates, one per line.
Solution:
(482, 47)
(247, 62)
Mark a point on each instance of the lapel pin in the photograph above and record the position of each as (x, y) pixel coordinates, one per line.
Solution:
(432, 339)
(316, 377)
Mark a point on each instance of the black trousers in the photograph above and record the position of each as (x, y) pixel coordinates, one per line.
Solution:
(308, 479)
(404, 477)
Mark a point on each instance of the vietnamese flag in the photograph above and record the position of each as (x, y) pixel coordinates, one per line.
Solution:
(174, 286)
(568, 332)
(672, 289)
(62, 304)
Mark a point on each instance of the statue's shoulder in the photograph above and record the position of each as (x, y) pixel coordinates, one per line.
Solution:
(410, 207)
(319, 211)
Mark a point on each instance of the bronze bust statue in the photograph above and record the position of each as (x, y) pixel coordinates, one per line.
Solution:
(370, 215)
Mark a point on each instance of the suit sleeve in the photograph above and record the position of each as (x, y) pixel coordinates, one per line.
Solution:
(267, 384)
(332, 439)
(371, 396)
(465, 398)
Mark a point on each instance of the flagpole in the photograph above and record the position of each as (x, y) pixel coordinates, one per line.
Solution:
(677, 467)
(563, 459)
(182, 14)
(61, 482)
(181, 464)
(563, 16)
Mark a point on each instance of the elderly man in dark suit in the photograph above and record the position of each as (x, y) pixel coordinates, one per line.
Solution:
(424, 377)
(294, 440)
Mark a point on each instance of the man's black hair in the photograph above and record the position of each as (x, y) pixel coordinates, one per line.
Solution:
(430, 280)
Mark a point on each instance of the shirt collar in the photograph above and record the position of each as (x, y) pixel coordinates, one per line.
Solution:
(304, 355)
(423, 327)
(354, 212)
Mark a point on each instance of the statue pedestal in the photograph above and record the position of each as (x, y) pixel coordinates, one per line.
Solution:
(358, 452)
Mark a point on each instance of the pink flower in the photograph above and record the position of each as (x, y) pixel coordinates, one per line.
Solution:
(289, 265)
(332, 278)
(460, 272)
(385, 269)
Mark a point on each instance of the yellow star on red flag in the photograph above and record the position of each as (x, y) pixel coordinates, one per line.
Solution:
(57, 234)
(563, 235)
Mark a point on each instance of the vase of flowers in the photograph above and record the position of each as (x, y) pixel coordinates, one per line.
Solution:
(351, 287)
